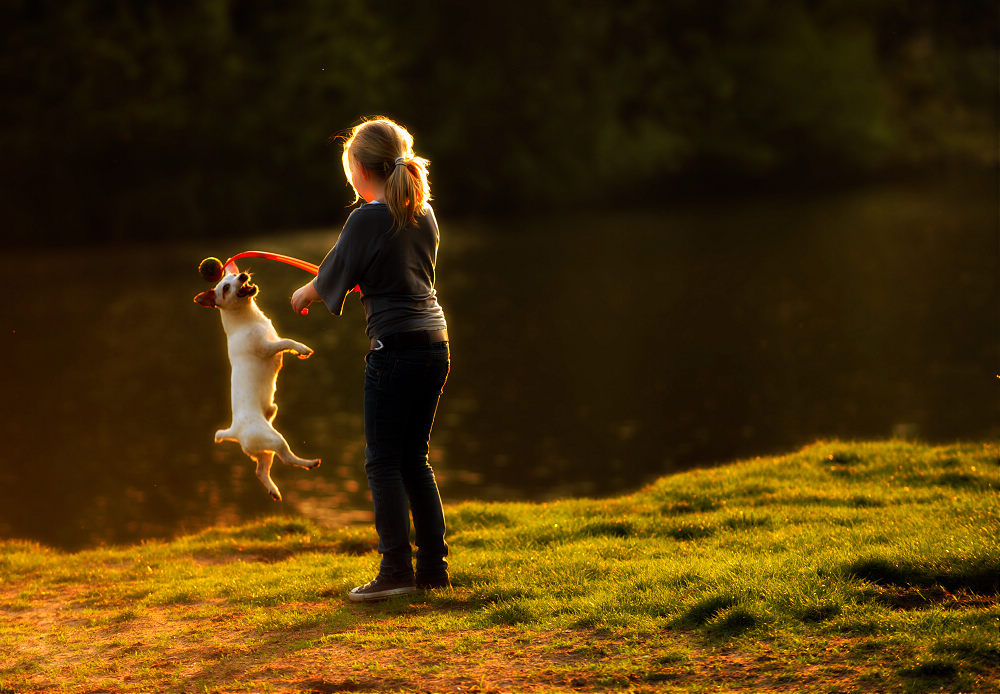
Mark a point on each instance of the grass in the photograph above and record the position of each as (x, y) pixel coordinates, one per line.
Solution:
(844, 567)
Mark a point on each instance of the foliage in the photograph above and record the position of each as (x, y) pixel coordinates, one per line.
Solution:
(128, 119)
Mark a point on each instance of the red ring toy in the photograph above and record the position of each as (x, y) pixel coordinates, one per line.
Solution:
(213, 269)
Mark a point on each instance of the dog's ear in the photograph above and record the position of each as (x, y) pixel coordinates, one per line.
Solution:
(211, 270)
(206, 299)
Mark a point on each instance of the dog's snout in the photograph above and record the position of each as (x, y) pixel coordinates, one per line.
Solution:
(243, 277)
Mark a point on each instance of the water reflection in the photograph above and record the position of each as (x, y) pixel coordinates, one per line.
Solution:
(588, 358)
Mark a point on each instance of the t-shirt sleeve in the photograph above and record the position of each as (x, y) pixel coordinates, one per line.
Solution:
(341, 269)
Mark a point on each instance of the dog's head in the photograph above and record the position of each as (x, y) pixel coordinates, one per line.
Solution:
(232, 291)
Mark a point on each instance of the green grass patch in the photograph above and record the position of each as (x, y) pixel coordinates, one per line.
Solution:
(840, 567)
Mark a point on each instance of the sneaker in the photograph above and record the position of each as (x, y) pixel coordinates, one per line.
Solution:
(380, 589)
(434, 584)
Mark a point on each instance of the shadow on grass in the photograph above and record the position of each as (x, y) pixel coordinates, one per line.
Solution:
(351, 684)
(978, 574)
(931, 674)
(705, 610)
(321, 634)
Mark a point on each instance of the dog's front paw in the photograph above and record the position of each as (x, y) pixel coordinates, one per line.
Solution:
(304, 355)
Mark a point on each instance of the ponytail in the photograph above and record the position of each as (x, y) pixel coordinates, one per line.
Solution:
(385, 149)
(407, 190)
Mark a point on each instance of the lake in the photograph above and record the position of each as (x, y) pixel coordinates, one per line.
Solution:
(590, 355)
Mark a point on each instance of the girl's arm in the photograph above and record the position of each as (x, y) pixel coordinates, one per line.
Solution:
(303, 296)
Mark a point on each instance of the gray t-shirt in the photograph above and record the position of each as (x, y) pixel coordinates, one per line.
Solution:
(394, 269)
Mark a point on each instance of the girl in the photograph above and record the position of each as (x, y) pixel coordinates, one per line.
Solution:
(388, 248)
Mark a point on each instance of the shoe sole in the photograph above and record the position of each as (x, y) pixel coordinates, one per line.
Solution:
(380, 595)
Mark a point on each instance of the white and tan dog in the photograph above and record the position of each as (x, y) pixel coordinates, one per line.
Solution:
(255, 356)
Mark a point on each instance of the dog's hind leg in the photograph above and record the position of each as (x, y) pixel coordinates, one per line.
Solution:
(264, 460)
(225, 435)
(285, 454)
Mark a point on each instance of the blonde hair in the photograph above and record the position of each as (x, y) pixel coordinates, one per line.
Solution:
(377, 144)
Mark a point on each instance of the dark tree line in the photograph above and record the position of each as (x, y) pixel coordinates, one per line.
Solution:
(135, 119)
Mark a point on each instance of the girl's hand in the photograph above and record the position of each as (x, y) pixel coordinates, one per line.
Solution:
(302, 297)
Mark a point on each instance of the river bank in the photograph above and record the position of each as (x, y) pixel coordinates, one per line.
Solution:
(840, 567)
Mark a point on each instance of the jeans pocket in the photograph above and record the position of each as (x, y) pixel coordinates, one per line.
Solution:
(376, 368)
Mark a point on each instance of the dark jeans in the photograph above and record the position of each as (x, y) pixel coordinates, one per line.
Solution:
(402, 388)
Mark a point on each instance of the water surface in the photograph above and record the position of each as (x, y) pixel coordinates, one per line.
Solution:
(590, 355)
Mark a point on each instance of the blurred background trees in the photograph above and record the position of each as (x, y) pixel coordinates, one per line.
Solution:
(147, 119)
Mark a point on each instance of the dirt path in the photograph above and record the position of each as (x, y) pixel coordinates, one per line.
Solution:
(59, 647)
